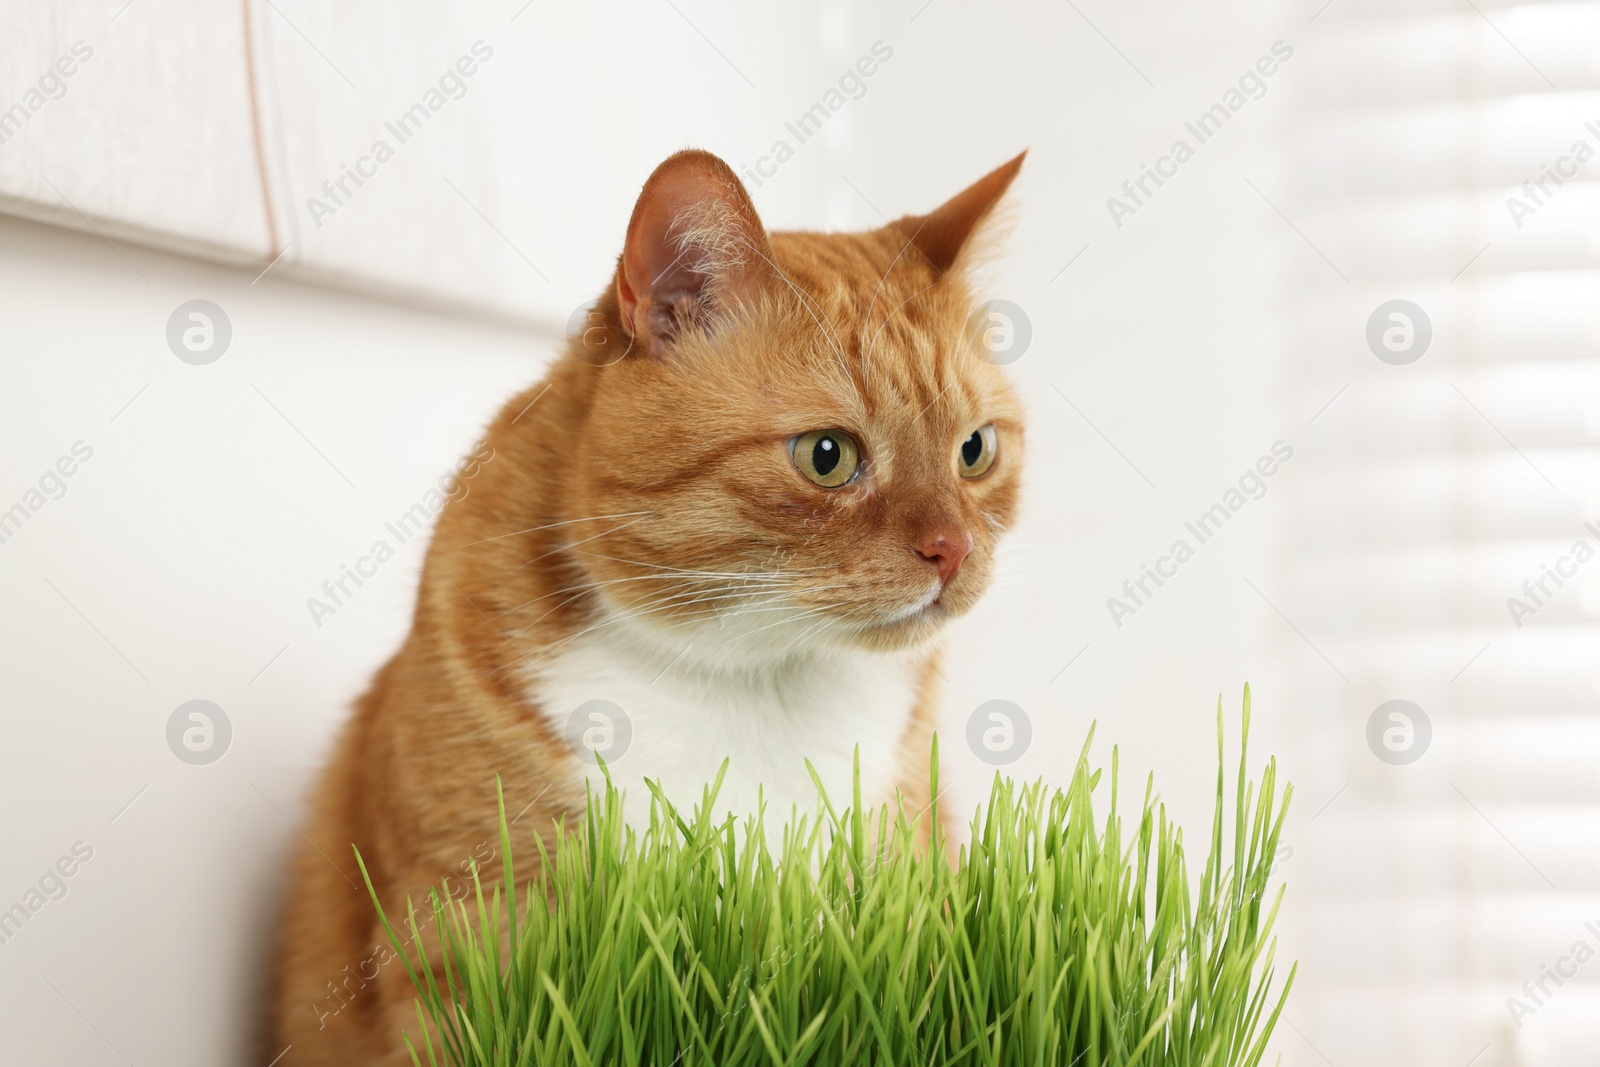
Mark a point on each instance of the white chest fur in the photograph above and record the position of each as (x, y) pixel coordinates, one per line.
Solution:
(686, 715)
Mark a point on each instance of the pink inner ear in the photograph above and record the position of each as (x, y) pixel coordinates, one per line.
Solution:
(668, 286)
(659, 263)
(694, 241)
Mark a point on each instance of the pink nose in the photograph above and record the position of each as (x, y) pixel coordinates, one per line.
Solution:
(945, 548)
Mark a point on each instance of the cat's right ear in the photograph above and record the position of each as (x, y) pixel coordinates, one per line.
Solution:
(695, 249)
(946, 233)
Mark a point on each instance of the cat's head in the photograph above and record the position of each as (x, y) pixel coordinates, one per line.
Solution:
(796, 438)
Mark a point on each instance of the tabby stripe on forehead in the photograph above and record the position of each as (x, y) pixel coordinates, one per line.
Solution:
(711, 463)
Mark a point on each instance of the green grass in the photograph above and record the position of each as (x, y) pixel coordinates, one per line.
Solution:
(1056, 939)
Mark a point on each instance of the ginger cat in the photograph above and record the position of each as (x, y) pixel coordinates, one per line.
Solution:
(739, 509)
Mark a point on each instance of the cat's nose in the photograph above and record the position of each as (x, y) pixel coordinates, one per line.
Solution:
(945, 547)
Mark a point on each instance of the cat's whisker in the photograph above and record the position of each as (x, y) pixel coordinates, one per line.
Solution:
(690, 599)
(548, 526)
(758, 599)
(767, 605)
(611, 619)
(586, 540)
(771, 601)
(583, 587)
(691, 570)
(572, 595)
(574, 592)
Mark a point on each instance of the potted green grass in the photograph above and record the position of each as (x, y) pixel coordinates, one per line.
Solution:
(1053, 939)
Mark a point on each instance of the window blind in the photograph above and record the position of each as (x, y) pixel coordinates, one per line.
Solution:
(1437, 899)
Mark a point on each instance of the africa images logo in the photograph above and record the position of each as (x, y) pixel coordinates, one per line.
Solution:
(337, 191)
(1252, 85)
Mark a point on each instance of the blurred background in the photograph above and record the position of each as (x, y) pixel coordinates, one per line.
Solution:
(1376, 251)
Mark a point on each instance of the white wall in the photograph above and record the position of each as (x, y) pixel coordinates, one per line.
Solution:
(189, 543)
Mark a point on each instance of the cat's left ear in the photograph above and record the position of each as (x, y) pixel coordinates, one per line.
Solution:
(695, 248)
(945, 233)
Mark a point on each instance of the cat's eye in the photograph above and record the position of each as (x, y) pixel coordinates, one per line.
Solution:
(978, 452)
(829, 458)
